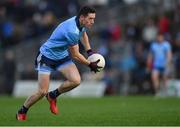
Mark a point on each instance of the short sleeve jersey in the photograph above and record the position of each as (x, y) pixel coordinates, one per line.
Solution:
(66, 34)
(159, 52)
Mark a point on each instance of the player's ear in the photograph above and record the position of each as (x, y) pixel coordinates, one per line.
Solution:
(81, 17)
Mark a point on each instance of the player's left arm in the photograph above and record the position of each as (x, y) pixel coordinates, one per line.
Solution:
(86, 43)
(168, 54)
(169, 57)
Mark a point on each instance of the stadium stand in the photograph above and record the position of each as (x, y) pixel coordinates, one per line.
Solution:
(122, 33)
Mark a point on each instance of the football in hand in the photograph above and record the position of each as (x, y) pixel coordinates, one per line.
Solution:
(94, 57)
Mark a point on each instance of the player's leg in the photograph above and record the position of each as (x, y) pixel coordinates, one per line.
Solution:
(43, 81)
(155, 80)
(165, 77)
(72, 75)
(43, 86)
(73, 78)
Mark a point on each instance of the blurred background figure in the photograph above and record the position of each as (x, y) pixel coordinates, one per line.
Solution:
(159, 60)
(149, 32)
(9, 72)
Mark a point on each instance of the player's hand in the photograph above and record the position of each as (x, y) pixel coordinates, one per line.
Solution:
(90, 52)
(94, 67)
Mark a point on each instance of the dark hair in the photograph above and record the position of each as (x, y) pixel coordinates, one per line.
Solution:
(85, 10)
(160, 34)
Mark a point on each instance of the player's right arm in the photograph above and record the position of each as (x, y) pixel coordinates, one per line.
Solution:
(74, 51)
(76, 55)
(150, 57)
(149, 61)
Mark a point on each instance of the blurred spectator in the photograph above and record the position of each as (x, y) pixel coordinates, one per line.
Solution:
(22, 20)
(139, 74)
(48, 21)
(29, 74)
(177, 13)
(132, 31)
(149, 31)
(108, 79)
(128, 22)
(73, 7)
(164, 25)
(177, 54)
(115, 31)
(9, 72)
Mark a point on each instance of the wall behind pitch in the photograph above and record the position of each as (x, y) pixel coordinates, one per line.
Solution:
(86, 88)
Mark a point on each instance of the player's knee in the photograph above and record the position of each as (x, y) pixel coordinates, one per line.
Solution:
(43, 92)
(76, 82)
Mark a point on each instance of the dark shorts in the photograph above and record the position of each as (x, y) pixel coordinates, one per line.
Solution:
(46, 65)
(161, 70)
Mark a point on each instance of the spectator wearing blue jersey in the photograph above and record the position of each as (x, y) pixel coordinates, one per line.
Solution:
(158, 61)
(56, 54)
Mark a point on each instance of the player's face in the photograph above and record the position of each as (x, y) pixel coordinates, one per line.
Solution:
(160, 38)
(88, 21)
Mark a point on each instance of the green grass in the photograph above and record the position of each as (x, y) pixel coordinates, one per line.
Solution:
(135, 110)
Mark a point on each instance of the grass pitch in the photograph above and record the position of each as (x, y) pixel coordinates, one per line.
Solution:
(106, 111)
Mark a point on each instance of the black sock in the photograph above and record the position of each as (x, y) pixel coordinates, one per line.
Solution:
(54, 94)
(23, 109)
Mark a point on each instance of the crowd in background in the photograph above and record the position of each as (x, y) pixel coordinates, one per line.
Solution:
(124, 44)
(25, 19)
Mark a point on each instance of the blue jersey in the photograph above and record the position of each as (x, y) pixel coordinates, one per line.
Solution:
(68, 33)
(159, 52)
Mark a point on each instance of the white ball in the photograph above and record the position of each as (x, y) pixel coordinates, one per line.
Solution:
(94, 57)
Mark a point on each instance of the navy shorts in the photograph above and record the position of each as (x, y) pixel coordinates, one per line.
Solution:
(46, 65)
(161, 70)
